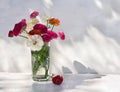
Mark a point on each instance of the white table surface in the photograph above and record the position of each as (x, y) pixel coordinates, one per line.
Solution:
(22, 82)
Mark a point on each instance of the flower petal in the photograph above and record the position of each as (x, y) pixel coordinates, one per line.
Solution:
(54, 21)
(46, 37)
(34, 14)
(10, 34)
(35, 42)
(19, 27)
(41, 27)
(62, 35)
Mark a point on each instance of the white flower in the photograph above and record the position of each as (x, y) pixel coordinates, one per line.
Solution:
(35, 42)
(31, 23)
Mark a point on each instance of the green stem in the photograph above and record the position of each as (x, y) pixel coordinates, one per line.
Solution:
(26, 31)
(23, 36)
(46, 72)
(40, 58)
(52, 27)
(47, 23)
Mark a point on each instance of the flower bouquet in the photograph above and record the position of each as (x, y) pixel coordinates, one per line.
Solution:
(38, 36)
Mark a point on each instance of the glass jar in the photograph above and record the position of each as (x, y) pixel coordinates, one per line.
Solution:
(40, 63)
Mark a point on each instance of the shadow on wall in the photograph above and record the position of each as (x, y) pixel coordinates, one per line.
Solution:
(102, 14)
(94, 39)
(14, 57)
(96, 53)
(95, 50)
(80, 68)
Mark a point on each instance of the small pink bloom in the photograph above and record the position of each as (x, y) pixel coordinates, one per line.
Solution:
(34, 14)
(62, 35)
(23, 22)
(52, 34)
(46, 37)
(41, 27)
(19, 27)
(10, 34)
(57, 80)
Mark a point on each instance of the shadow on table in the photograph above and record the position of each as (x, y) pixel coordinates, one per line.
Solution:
(70, 82)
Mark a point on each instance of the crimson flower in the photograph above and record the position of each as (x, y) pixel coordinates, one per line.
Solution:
(10, 34)
(41, 27)
(57, 80)
(34, 14)
(46, 37)
(19, 27)
(62, 35)
(52, 34)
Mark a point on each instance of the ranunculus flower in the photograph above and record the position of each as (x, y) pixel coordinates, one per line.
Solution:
(52, 34)
(35, 42)
(57, 80)
(34, 14)
(62, 35)
(54, 21)
(41, 27)
(35, 32)
(31, 23)
(19, 27)
(10, 34)
(46, 37)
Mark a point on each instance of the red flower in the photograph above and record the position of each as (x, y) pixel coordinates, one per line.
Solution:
(10, 34)
(34, 14)
(46, 37)
(35, 32)
(62, 35)
(19, 27)
(41, 27)
(57, 80)
(52, 34)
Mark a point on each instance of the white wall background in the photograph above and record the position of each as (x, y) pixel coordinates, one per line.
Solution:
(92, 30)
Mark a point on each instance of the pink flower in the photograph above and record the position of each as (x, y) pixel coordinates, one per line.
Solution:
(41, 27)
(46, 37)
(19, 27)
(62, 35)
(52, 34)
(10, 34)
(23, 22)
(34, 14)
(57, 80)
